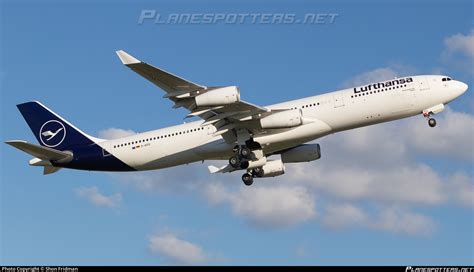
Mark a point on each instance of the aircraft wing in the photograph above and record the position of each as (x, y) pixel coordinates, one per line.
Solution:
(170, 83)
(183, 92)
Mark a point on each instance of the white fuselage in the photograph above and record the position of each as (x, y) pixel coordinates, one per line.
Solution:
(325, 114)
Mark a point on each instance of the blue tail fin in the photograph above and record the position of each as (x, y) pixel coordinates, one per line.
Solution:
(50, 129)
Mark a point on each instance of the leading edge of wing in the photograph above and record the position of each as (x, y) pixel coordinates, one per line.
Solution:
(181, 91)
(163, 79)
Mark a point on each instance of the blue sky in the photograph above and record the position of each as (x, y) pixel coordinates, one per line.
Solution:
(397, 193)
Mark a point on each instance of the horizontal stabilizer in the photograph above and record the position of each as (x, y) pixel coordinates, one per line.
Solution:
(41, 152)
(224, 169)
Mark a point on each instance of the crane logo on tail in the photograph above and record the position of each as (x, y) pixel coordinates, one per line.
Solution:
(52, 133)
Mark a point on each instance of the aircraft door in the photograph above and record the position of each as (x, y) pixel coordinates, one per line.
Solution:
(422, 83)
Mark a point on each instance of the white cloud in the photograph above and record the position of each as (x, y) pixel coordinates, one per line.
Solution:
(379, 74)
(340, 216)
(461, 189)
(390, 219)
(176, 250)
(271, 207)
(115, 133)
(453, 137)
(384, 163)
(183, 178)
(417, 184)
(396, 142)
(93, 195)
(460, 43)
(459, 52)
(371, 163)
(375, 75)
(399, 221)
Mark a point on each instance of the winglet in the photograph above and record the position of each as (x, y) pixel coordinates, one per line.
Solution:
(126, 58)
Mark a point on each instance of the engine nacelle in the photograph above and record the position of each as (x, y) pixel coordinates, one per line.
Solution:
(284, 119)
(273, 168)
(302, 153)
(221, 96)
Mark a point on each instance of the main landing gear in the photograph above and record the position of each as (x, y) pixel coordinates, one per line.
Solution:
(240, 160)
(431, 121)
(241, 155)
(247, 178)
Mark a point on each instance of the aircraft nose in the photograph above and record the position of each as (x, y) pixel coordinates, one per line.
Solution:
(463, 87)
(460, 88)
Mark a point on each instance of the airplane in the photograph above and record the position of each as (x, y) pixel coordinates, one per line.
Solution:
(258, 140)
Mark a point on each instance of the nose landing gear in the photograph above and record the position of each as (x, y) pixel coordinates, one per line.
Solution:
(431, 121)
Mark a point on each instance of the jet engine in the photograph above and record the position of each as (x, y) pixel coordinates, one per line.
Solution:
(273, 168)
(302, 153)
(220, 96)
(284, 119)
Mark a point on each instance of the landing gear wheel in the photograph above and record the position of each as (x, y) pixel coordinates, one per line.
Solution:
(234, 161)
(245, 152)
(432, 122)
(247, 179)
(244, 165)
(258, 172)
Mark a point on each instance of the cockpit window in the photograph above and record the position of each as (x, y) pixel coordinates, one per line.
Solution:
(448, 79)
(445, 79)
